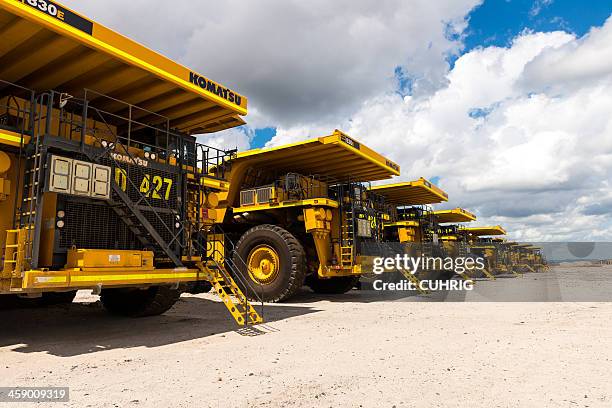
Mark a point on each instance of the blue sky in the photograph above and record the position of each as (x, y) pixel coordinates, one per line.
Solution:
(497, 22)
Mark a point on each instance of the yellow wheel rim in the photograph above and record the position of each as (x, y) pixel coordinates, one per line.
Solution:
(264, 264)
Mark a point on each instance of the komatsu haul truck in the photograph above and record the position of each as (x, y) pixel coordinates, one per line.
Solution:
(451, 233)
(103, 185)
(302, 213)
(412, 225)
(481, 244)
(411, 220)
(529, 258)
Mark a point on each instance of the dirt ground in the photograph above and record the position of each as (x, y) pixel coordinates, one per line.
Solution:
(362, 349)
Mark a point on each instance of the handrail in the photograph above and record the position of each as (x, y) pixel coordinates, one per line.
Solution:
(210, 251)
(137, 189)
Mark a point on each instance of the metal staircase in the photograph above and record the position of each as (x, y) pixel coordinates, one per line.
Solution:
(230, 293)
(129, 211)
(220, 269)
(414, 280)
(28, 215)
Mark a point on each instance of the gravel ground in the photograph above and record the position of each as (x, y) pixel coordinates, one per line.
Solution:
(362, 349)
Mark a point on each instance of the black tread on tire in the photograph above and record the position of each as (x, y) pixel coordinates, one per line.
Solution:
(333, 286)
(46, 299)
(57, 298)
(134, 302)
(292, 259)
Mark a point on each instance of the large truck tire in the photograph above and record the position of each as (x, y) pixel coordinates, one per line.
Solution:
(134, 302)
(333, 286)
(57, 298)
(10, 302)
(195, 288)
(45, 299)
(276, 263)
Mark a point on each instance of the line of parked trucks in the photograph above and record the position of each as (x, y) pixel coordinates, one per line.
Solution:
(104, 186)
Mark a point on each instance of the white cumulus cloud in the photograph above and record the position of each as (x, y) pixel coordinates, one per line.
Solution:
(298, 61)
(521, 135)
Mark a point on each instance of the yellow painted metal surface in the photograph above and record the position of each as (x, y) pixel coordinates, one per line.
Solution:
(232, 296)
(406, 234)
(215, 247)
(263, 264)
(98, 259)
(325, 202)
(486, 231)
(337, 156)
(416, 192)
(214, 183)
(74, 278)
(14, 253)
(448, 238)
(317, 221)
(5, 162)
(402, 224)
(316, 218)
(52, 47)
(454, 215)
(12, 139)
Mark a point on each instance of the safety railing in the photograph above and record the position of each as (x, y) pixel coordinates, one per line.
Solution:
(228, 259)
(103, 120)
(17, 108)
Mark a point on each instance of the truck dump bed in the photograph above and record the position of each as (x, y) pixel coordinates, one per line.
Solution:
(48, 46)
(486, 231)
(455, 215)
(336, 156)
(417, 192)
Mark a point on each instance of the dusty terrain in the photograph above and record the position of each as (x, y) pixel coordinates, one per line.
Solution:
(359, 349)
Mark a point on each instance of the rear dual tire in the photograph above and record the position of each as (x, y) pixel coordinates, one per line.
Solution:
(332, 286)
(135, 302)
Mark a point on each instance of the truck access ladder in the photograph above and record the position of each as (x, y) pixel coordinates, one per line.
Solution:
(347, 244)
(233, 298)
(220, 270)
(411, 277)
(22, 252)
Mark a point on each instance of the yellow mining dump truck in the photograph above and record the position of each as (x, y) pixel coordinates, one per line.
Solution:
(513, 256)
(102, 184)
(503, 256)
(301, 213)
(539, 259)
(451, 234)
(481, 244)
(411, 220)
(529, 258)
(519, 258)
(412, 226)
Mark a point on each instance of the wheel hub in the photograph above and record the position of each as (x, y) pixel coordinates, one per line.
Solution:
(263, 263)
